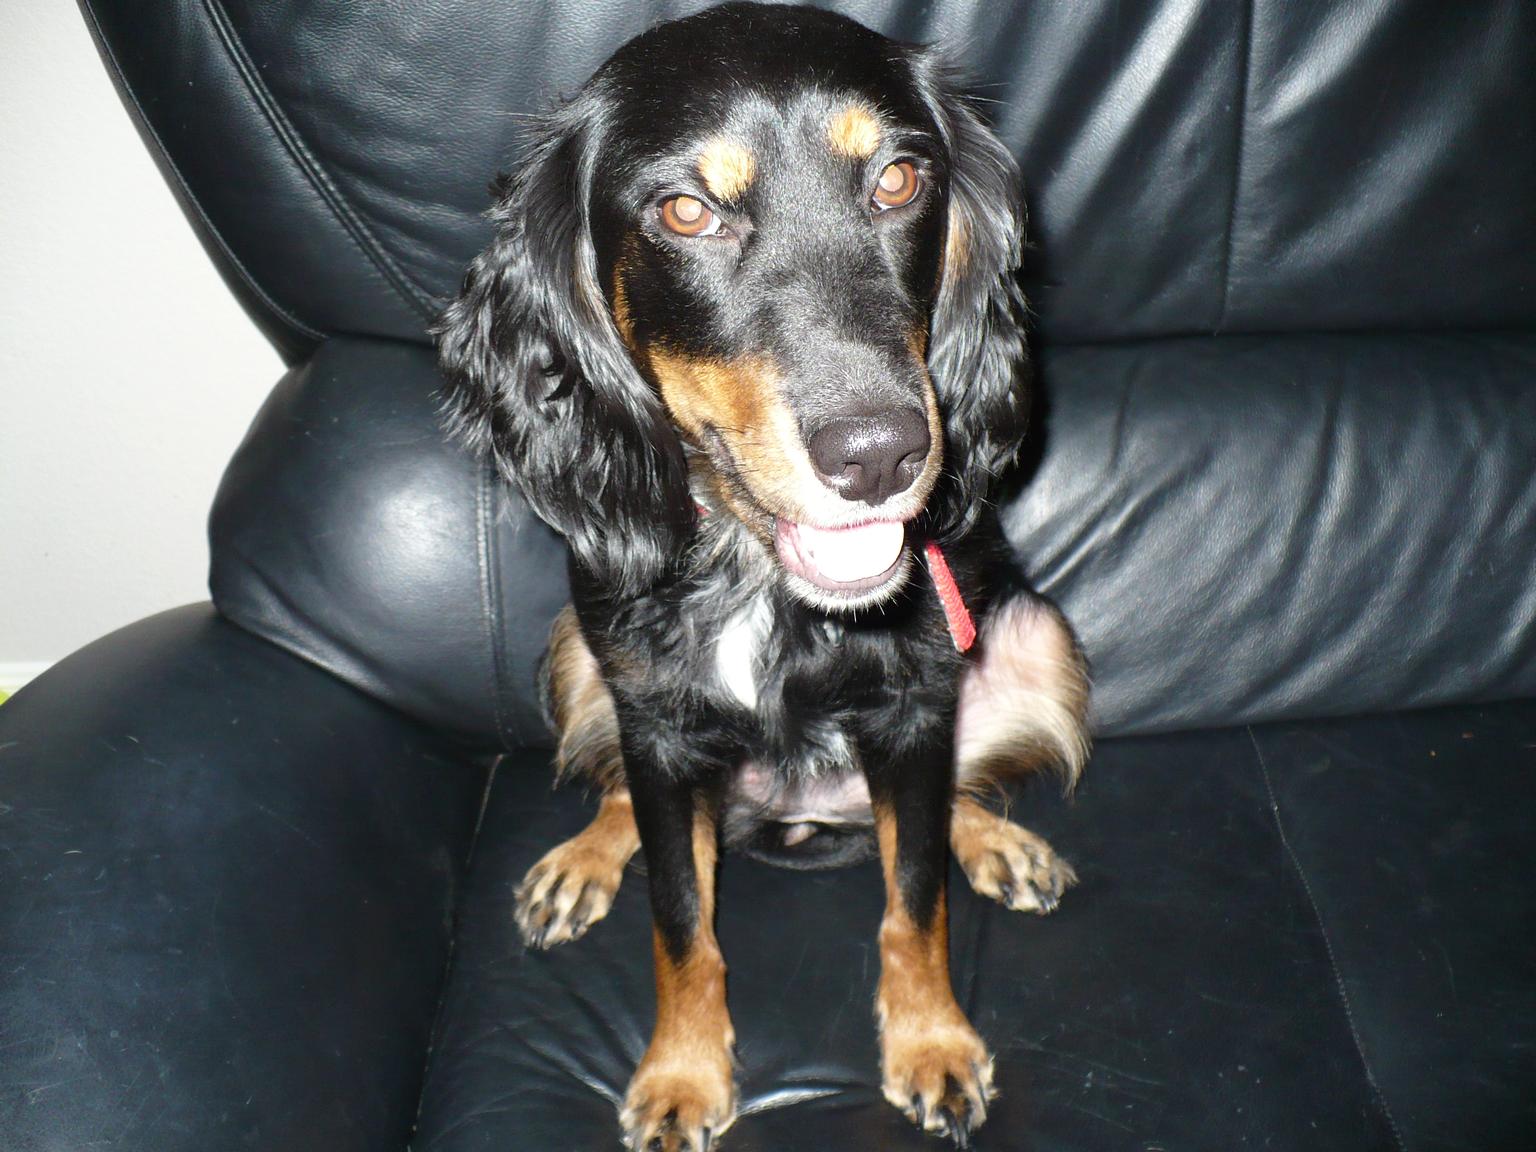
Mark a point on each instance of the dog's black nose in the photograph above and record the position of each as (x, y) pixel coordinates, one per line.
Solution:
(871, 458)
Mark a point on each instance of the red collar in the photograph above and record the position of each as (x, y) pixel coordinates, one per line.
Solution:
(962, 629)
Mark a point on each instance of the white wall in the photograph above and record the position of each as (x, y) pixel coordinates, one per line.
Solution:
(127, 372)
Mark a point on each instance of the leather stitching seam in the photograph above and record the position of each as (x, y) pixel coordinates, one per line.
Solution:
(139, 113)
(490, 612)
(450, 963)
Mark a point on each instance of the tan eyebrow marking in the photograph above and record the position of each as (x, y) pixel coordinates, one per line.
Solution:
(854, 131)
(727, 168)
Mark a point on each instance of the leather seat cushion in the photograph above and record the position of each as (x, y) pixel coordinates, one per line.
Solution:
(1269, 938)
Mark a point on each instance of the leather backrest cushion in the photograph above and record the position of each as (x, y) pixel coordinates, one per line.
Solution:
(1265, 527)
(1191, 167)
(1241, 528)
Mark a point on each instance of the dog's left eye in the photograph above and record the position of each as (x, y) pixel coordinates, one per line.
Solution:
(690, 216)
(898, 186)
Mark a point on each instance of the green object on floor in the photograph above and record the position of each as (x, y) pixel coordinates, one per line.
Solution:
(4, 695)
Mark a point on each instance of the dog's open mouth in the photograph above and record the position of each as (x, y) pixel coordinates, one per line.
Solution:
(846, 562)
(844, 569)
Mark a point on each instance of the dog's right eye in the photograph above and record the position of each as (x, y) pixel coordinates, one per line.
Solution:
(899, 185)
(690, 216)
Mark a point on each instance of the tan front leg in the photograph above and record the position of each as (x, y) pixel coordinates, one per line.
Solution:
(683, 1094)
(934, 1067)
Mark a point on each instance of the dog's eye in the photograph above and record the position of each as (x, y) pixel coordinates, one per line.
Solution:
(898, 186)
(689, 216)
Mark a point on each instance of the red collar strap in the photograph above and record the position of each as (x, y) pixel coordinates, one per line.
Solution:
(962, 629)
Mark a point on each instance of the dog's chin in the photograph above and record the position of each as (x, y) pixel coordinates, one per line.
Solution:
(863, 571)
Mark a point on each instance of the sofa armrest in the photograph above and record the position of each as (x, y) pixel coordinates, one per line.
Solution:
(227, 883)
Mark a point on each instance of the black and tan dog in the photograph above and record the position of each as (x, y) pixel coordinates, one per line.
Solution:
(749, 338)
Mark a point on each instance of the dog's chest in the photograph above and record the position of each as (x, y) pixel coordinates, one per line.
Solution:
(752, 646)
(740, 651)
(774, 667)
(798, 766)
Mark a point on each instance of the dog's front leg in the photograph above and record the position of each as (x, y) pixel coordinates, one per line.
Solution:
(934, 1067)
(683, 1093)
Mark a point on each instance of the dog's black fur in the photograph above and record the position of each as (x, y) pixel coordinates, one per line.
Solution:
(557, 355)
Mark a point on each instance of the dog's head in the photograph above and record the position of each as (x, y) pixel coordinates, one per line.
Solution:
(770, 251)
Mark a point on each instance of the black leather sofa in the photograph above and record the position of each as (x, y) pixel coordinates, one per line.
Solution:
(256, 858)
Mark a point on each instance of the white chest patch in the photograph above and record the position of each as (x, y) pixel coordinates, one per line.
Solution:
(739, 648)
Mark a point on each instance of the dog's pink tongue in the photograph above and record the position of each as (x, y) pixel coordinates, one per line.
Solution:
(849, 554)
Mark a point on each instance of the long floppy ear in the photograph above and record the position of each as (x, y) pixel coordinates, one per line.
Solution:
(537, 374)
(977, 353)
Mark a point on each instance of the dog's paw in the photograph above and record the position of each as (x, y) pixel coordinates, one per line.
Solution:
(1012, 865)
(678, 1108)
(567, 892)
(941, 1079)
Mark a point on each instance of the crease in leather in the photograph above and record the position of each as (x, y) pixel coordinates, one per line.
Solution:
(1322, 928)
(185, 194)
(413, 295)
(1245, 68)
(789, 1097)
(284, 621)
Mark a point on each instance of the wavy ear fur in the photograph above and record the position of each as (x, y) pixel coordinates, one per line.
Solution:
(977, 353)
(537, 374)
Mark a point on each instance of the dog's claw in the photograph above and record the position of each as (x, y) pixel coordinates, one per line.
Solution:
(941, 1084)
(679, 1112)
(961, 1110)
(961, 1136)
